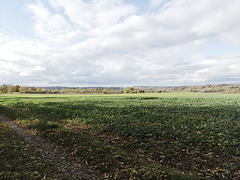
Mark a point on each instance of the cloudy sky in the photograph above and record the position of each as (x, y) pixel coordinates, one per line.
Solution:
(119, 42)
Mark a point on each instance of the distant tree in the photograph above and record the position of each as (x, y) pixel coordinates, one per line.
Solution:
(16, 88)
(4, 88)
(23, 89)
(108, 91)
(98, 90)
(127, 90)
(10, 89)
(39, 90)
(136, 90)
(31, 90)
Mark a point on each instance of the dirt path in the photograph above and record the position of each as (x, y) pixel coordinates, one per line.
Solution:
(65, 163)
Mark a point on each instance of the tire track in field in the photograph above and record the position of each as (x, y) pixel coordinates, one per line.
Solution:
(71, 167)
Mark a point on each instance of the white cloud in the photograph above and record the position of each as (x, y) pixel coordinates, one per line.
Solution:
(96, 13)
(32, 71)
(105, 42)
(219, 20)
(156, 3)
(219, 70)
(52, 27)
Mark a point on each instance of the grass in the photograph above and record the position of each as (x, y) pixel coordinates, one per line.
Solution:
(136, 136)
(19, 160)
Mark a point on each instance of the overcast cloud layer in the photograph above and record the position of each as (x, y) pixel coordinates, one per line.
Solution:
(119, 43)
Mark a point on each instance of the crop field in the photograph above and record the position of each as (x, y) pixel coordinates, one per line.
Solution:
(146, 136)
(19, 160)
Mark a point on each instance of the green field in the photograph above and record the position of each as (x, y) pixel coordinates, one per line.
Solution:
(20, 161)
(143, 136)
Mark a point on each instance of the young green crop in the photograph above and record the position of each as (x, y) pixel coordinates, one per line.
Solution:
(167, 128)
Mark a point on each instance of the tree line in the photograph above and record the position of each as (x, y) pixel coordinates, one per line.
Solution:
(220, 88)
(10, 89)
(18, 89)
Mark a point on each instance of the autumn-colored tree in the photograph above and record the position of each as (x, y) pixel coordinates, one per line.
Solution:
(107, 91)
(23, 89)
(10, 89)
(16, 88)
(127, 90)
(97, 90)
(4, 88)
(39, 90)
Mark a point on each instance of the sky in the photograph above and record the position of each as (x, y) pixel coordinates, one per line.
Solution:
(119, 42)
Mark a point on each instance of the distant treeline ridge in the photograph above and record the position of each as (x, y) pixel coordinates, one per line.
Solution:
(224, 88)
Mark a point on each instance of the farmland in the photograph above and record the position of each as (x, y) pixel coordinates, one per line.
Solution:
(146, 135)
